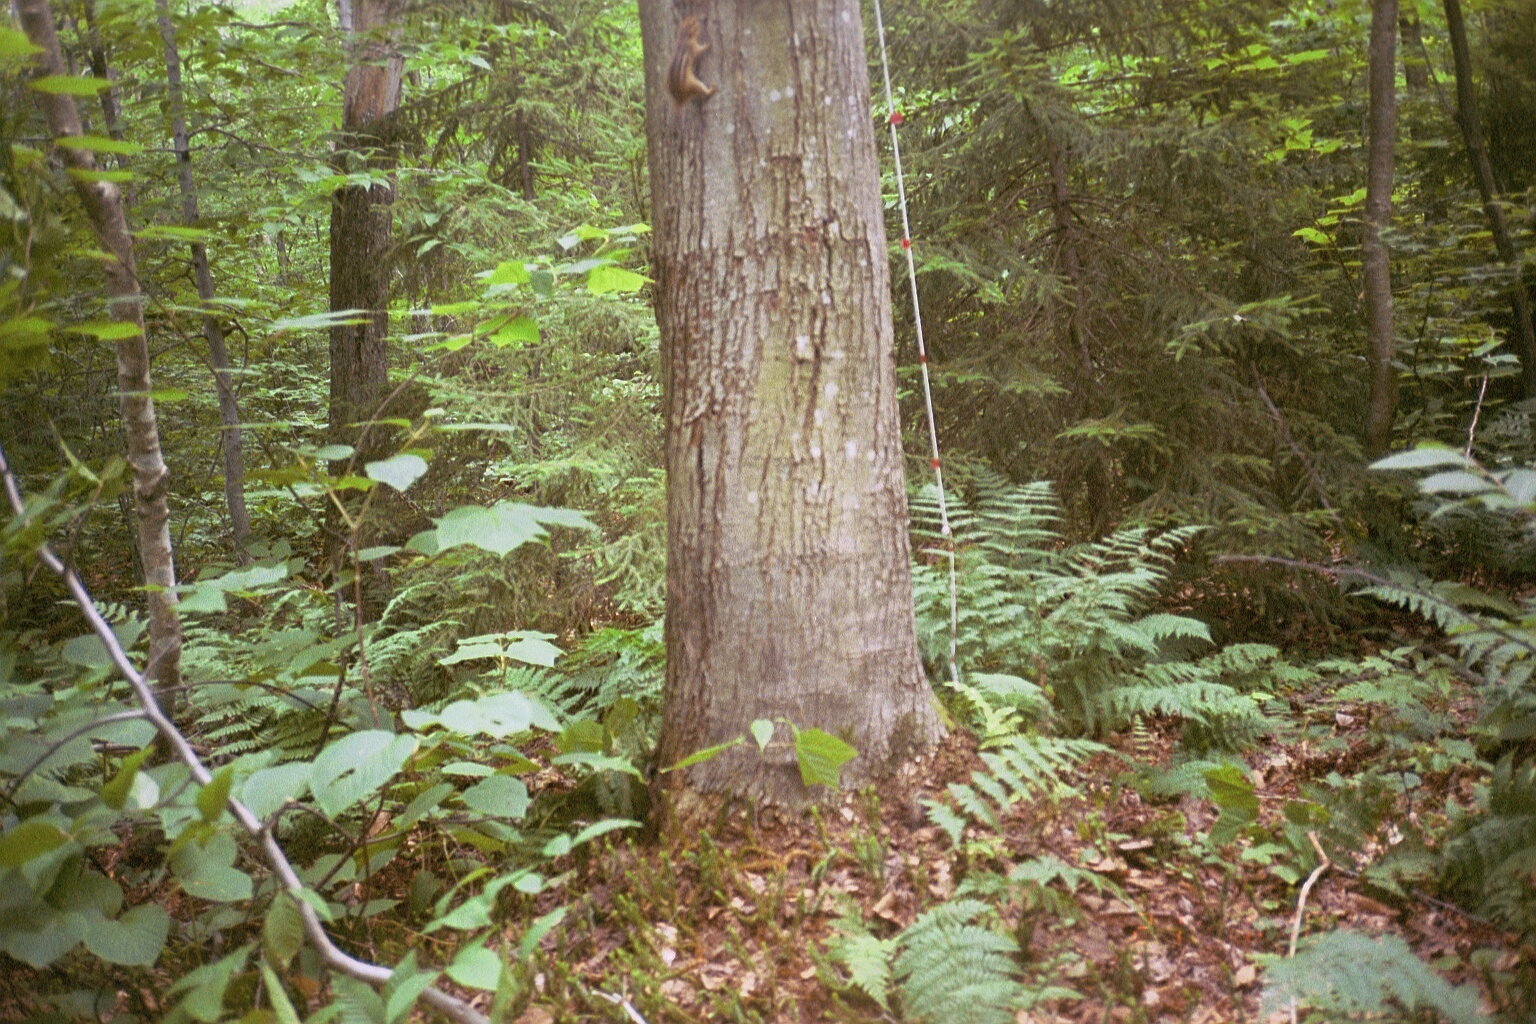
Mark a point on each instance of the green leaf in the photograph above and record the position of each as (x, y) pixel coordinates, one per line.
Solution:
(69, 85)
(30, 839)
(99, 144)
(520, 330)
(762, 732)
(499, 715)
(282, 933)
(282, 1006)
(133, 940)
(356, 766)
(115, 175)
(606, 279)
(476, 967)
(1423, 458)
(16, 44)
(1231, 788)
(1313, 235)
(399, 471)
(207, 872)
(267, 790)
(497, 797)
(405, 986)
(115, 792)
(360, 1004)
(42, 946)
(205, 986)
(508, 273)
(707, 754)
(214, 797)
(538, 929)
(821, 757)
(107, 330)
(1454, 482)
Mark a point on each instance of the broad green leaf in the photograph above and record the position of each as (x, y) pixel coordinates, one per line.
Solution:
(499, 715)
(115, 792)
(282, 933)
(404, 988)
(30, 839)
(498, 797)
(205, 986)
(116, 175)
(100, 144)
(608, 278)
(762, 732)
(422, 804)
(360, 1004)
(520, 330)
(356, 766)
(267, 790)
(69, 85)
(399, 471)
(133, 940)
(107, 330)
(498, 530)
(173, 233)
(1454, 482)
(1423, 458)
(1313, 235)
(821, 756)
(476, 967)
(207, 870)
(602, 828)
(510, 272)
(16, 44)
(41, 946)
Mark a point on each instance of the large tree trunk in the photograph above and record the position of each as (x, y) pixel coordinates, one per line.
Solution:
(1381, 132)
(789, 590)
(1482, 170)
(229, 410)
(361, 229)
(151, 480)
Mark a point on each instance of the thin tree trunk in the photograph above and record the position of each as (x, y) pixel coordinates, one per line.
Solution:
(789, 590)
(151, 480)
(1381, 400)
(524, 155)
(1482, 170)
(229, 410)
(109, 104)
(1415, 67)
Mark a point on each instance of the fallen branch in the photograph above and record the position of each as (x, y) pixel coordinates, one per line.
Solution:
(1301, 903)
(333, 957)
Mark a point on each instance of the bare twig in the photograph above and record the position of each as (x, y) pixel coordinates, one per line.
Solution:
(629, 1008)
(1301, 903)
(333, 957)
(1477, 411)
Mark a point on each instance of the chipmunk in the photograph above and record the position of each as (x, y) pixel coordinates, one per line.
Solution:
(682, 77)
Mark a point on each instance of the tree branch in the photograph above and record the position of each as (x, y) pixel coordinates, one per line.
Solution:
(332, 955)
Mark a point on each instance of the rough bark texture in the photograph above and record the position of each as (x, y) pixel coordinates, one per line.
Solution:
(1381, 131)
(151, 480)
(213, 331)
(1482, 170)
(361, 232)
(788, 585)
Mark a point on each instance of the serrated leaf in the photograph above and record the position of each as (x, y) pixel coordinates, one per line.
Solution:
(399, 471)
(1231, 788)
(207, 872)
(821, 756)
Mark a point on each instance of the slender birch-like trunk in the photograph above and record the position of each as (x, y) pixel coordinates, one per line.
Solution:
(151, 480)
(1381, 141)
(229, 410)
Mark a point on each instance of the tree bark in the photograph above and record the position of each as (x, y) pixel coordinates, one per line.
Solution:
(361, 229)
(1381, 399)
(789, 589)
(109, 104)
(1482, 170)
(151, 480)
(229, 410)
(1415, 68)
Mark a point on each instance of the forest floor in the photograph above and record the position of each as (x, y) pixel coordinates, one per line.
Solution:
(732, 922)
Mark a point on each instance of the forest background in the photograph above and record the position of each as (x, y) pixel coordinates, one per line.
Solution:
(1175, 306)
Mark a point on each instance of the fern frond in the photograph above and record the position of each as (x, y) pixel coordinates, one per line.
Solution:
(1347, 972)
